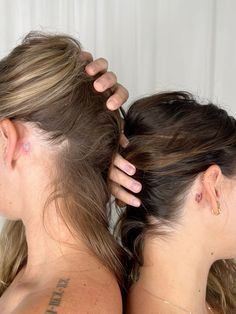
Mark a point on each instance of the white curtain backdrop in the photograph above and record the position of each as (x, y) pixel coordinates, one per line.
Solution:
(151, 44)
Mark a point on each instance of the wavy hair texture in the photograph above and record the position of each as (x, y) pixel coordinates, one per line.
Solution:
(173, 138)
(43, 82)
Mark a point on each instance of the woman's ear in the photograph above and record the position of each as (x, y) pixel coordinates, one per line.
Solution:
(10, 136)
(211, 184)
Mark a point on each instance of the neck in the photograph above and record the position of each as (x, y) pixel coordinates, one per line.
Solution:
(51, 246)
(176, 271)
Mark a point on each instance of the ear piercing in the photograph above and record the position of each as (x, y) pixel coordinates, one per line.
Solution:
(216, 211)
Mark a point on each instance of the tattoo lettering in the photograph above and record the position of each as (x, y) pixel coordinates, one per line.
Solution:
(56, 297)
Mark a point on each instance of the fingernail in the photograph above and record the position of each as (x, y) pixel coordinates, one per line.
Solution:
(129, 169)
(111, 105)
(136, 187)
(125, 142)
(99, 85)
(90, 70)
(135, 202)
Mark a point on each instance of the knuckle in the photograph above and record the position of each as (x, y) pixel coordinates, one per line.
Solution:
(113, 174)
(112, 76)
(120, 194)
(117, 98)
(117, 176)
(114, 187)
(88, 55)
(116, 191)
(102, 63)
(124, 91)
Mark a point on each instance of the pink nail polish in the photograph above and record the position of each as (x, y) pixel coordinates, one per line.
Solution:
(136, 187)
(111, 105)
(129, 169)
(136, 202)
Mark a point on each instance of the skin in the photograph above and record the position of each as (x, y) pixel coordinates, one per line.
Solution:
(122, 170)
(105, 81)
(198, 240)
(123, 186)
(197, 225)
(53, 281)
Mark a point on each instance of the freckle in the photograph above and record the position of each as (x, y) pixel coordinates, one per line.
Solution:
(199, 290)
(212, 253)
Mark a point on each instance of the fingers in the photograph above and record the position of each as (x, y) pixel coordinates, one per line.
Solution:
(120, 176)
(124, 196)
(119, 97)
(124, 165)
(97, 66)
(105, 81)
(125, 180)
(120, 203)
(124, 142)
(86, 56)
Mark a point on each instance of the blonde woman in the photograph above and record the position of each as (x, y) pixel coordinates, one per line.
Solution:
(57, 142)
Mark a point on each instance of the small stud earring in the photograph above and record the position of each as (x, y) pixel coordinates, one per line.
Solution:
(216, 211)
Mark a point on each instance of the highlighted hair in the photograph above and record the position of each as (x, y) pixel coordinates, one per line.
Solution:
(42, 81)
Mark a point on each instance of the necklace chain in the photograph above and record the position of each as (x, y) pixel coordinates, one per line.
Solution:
(209, 309)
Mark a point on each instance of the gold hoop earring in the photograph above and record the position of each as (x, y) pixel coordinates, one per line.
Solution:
(217, 211)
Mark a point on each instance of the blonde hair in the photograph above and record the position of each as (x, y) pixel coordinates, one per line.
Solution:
(43, 81)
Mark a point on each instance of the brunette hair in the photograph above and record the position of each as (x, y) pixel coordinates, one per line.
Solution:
(173, 138)
(43, 82)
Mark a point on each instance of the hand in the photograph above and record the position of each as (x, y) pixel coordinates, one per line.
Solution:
(121, 173)
(120, 176)
(105, 81)
(121, 170)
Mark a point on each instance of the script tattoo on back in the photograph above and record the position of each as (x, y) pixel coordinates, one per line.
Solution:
(57, 295)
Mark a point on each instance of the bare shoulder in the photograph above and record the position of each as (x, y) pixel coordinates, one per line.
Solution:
(95, 295)
(77, 293)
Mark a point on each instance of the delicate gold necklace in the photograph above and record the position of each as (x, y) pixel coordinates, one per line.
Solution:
(209, 309)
